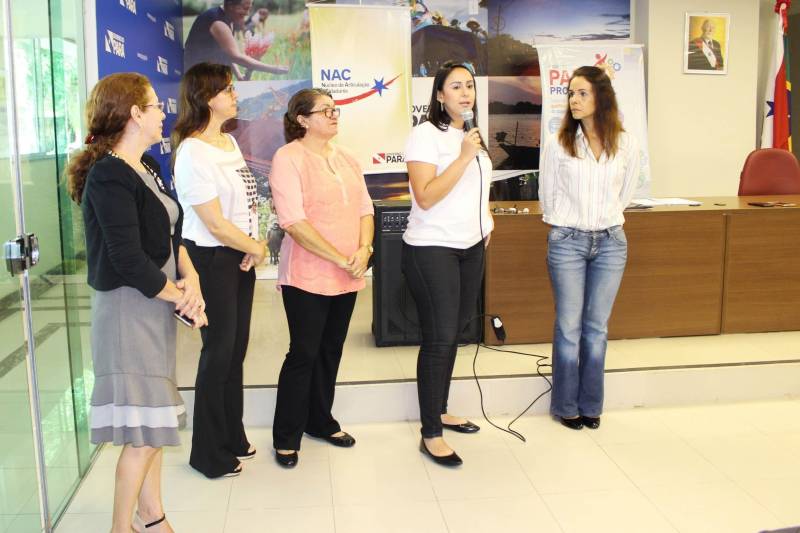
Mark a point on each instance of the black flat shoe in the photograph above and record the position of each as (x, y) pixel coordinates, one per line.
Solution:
(448, 460)
(466, 427)
(288, 460)
(571, 423)
(591, 422)
(343, 441)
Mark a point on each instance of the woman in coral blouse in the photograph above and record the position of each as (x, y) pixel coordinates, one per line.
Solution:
(323, 204)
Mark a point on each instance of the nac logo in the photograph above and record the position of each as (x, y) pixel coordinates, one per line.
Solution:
(335, 74)
(172, 106)
(169, 31)
(162, 66)
(114, 44)
(130, 5)
(166, 146)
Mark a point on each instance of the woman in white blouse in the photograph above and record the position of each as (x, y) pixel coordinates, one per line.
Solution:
(218, 195)
(588, 174)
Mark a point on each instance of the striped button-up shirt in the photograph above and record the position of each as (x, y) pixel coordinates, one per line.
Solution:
(583, 192)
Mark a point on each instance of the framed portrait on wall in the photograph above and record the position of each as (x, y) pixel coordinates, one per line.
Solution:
(705, 43)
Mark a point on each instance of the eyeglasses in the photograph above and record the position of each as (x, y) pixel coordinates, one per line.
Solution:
(330, 112)
(159, 105)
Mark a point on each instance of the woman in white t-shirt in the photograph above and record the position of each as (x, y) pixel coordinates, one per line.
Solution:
(218, 195)
(449, 174)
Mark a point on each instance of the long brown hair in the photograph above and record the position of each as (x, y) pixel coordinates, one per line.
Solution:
(606, 114)
(200, 84)
(107, 112)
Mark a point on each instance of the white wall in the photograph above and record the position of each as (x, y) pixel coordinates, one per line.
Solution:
(701, 127)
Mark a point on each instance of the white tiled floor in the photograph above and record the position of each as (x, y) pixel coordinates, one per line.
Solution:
(731, 468)
(362, 361)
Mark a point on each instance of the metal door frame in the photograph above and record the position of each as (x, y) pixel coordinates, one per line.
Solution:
(30, 355)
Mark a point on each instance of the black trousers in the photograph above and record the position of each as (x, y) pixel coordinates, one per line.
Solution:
(317, 330)
(445, 283)
(218, 436)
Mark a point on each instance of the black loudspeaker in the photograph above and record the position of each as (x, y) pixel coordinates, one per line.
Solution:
(394, 311)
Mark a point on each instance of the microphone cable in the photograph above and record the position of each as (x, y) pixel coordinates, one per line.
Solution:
(540, 364)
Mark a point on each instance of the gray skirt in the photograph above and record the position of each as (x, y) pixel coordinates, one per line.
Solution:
(135, 399)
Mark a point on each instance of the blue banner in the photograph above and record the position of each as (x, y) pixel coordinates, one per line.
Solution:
(144, 36)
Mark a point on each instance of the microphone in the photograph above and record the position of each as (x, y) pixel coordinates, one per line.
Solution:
(469, 119)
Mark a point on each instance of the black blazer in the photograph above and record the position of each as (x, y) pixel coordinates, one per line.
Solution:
(127, 228)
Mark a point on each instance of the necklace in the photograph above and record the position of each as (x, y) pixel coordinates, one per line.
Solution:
(149, 170)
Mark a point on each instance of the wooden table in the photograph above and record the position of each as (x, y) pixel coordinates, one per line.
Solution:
(724, 266)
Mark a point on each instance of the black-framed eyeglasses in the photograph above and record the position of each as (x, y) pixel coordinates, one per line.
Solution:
(330, 112)
(159, 105)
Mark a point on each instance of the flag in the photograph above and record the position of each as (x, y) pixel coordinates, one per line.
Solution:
(776, 131)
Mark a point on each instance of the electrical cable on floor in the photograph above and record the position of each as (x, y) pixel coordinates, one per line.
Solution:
(478, 344)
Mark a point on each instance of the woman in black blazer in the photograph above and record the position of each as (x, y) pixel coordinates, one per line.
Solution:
(141, 275)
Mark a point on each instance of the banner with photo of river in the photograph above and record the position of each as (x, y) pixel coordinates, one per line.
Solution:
(515, 29)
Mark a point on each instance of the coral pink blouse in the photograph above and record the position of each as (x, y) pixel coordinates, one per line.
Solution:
(332, 196)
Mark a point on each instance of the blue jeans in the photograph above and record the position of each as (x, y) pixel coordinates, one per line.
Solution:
(585, 271)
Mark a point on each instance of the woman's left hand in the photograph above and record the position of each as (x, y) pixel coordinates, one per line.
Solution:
(199, 320)
(192, 303)
(358, 262)
(247, 263)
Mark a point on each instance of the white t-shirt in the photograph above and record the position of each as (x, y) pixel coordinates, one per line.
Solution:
(453, 221)
(204, 172)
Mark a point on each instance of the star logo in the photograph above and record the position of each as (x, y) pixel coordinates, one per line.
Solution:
(379, 86)
(771, 111)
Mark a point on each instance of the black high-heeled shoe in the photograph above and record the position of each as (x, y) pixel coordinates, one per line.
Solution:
(447, 460)
(571, 423)
(235, 472)
(249, 455)
(591, 422)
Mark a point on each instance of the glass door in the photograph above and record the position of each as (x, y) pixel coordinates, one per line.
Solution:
(22, 480)
(44, 310)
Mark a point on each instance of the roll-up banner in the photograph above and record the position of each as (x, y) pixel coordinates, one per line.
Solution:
(624, 64)
(362, 55)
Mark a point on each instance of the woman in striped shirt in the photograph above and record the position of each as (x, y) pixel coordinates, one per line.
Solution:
(588, 174)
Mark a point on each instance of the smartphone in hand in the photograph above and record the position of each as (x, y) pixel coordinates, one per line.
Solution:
(186, 320)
